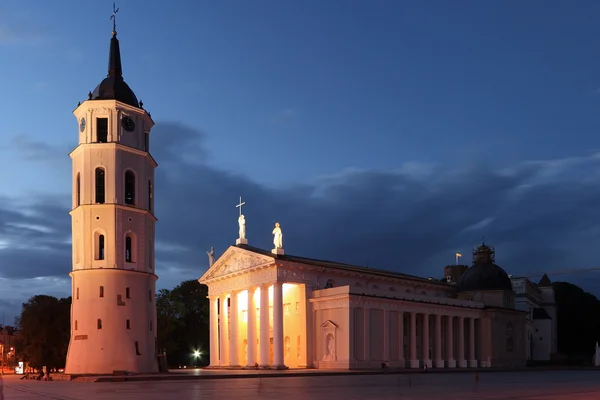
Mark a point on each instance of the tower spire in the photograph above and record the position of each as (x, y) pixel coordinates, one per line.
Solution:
(114, 59)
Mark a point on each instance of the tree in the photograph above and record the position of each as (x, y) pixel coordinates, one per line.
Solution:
(577, 320)
(167, 322)
(44, 331)
(183, 322)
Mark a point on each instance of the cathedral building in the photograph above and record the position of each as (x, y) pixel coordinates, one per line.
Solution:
(113, 313)
(272, 310)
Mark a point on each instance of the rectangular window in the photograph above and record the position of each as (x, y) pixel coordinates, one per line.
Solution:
(146, 141)
(102, 130)
(77, 293)
(128, 324)
(127, 293)
(101, 291)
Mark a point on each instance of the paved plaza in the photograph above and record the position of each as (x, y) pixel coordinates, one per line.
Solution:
(539, 385)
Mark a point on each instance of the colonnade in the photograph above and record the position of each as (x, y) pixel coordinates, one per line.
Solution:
(224, 331)
(420, 339)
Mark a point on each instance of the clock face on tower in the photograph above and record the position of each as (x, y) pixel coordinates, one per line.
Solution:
(82, 125)
(128, 124)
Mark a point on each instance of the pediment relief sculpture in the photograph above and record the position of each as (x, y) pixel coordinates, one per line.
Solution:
(234, 262)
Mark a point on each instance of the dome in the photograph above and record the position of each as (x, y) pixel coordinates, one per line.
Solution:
(484, 274)
(484, 277)
(113, 87)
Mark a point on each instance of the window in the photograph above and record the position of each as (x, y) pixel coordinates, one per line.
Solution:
(150, 296)
(129, 188)
(78, 190)
(77, 293)
(99, 323)
(128, 257)
(100, 187)
(75, 324)
(127, 293)
(101, 291)
(127, 324)
(100, 255)
(137, 349)
(150, 325)
(102, 130)
(150, 196)
(146, 141)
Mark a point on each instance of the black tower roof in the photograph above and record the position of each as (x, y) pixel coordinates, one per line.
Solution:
(113, 87)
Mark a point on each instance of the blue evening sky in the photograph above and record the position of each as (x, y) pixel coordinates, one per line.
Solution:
(289, 91)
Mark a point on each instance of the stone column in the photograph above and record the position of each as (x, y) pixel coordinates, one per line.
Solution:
(264, 327)
(214, 331)
(414, 362)
(462, 363)
(386, 335)
(450, 342)
(278, 325)
(234, 353)
(251, 327)
(401, 339)
(224, 333)
(473, 360)
(426, 341)
(439, 360)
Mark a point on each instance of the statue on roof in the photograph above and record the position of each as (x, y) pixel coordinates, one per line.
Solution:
(242, 223)
(278, 236)
(211, 256)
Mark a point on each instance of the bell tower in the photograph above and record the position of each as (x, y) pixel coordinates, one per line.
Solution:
(113, 314)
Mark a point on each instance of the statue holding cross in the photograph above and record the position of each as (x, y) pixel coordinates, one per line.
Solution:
(242, 224)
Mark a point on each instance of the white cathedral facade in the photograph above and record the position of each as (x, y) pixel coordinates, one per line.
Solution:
(275, 311)
(113, 312)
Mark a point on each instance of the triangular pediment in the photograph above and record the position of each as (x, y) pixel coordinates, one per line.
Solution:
(328, 324)
(234, 260)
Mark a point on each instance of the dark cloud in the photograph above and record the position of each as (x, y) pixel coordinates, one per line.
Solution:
(540, 216)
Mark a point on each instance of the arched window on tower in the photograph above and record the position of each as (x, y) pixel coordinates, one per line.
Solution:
(100, 186)
(100, 253)
(150, 196)
(78, 190)
(129, 188)
(128, 256)
(99, 323)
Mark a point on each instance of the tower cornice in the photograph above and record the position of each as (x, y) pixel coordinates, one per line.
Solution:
(114, 146)
(138, 210)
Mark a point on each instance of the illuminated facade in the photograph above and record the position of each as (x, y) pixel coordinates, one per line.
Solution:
(278, 311)
(113, 313)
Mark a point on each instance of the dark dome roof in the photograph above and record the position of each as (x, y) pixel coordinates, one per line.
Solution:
(113, 87)
(484, 274)
(484, 277)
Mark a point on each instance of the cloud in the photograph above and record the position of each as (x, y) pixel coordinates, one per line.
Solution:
(540, 215)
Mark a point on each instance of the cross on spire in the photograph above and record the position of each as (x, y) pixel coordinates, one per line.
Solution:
(240, 205)
(114, 18)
